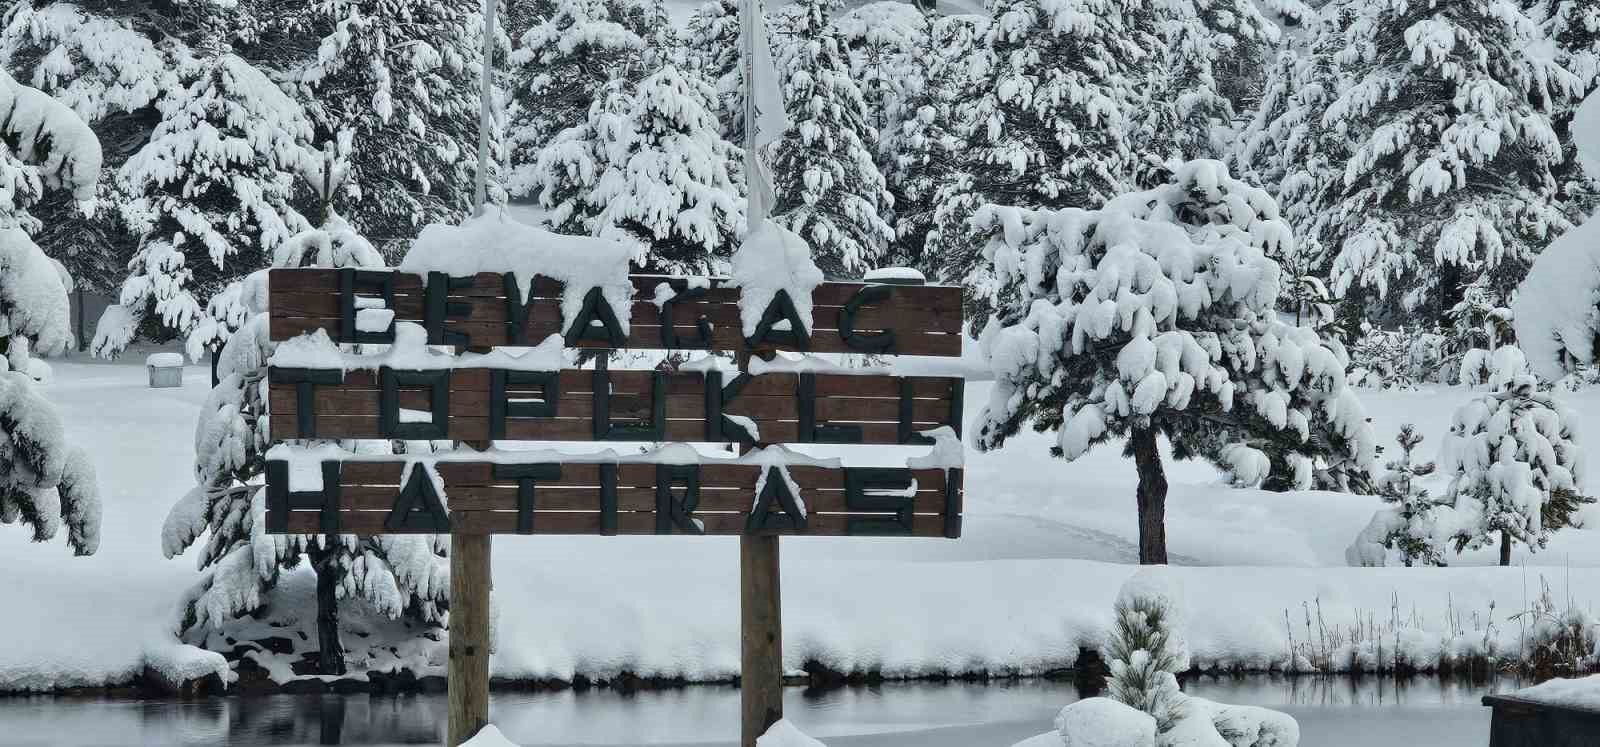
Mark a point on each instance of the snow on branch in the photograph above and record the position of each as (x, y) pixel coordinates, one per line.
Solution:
(51, 136)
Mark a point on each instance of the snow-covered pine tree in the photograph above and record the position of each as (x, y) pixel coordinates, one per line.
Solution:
(711, 42)
(564, 176)
(1448, 111)
(1407, 529)
(1181, 109)
(404, 77)
(240, 563)
(670, 186)
(1288, 147)
(1154, 315)
(109, 63)
(1516, 470)
(1574, 27)
(565, 63)
(829, 189)
(923, 147)
(1045, 126)
(1474, 328)
(44, 482)
(213, 191)
(883, 42)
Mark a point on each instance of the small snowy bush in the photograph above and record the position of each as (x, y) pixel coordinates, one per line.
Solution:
(1146, 654)
(1516, 470)
(1407, 530)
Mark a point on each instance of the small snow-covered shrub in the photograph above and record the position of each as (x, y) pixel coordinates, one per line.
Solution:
(1406, 531)
(1146, 654)
(1515, 465)
(1557, 640)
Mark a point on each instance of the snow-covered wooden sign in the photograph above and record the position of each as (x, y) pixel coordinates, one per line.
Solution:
(511, 493)
(486, 310)
(484, 359)
(481, 404)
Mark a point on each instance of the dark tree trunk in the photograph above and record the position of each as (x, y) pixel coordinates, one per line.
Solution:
(330, 651)
(1505, 547)
(1152, 496)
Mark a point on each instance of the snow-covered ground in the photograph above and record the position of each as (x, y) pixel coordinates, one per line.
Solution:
(1046, 547)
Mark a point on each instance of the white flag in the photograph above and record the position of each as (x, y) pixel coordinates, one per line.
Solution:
(764, 119)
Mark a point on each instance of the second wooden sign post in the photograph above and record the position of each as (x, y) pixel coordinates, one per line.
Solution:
(492, 390)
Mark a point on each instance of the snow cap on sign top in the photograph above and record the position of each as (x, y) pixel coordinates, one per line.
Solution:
(496, 243)
(773, 258)
(1103, 722)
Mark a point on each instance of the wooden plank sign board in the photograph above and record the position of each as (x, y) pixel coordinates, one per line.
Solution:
(514, 492)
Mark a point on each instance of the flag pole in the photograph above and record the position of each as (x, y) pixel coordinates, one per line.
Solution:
(486, 108)
(760, 595)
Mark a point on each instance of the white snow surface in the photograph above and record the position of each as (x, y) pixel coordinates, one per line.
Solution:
(164, 360)
(497, 242)
(1580, 692)
(1047, 547)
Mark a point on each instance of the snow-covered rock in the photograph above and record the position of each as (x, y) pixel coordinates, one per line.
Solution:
(1103, 722)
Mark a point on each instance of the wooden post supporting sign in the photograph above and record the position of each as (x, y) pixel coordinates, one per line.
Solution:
(322, 390)
(468, 684)
(760, 636)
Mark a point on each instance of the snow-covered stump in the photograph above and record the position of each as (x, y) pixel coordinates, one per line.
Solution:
(1558, 713)
(165, 369)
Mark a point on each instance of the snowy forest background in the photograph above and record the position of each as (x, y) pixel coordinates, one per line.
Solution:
(1421, 152)
(1213, 222)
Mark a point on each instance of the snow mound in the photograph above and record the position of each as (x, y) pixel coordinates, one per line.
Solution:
(786, 734)
(1555, 312)
(1103, 722)
(494, 242)
(164, 360)
(488, 736)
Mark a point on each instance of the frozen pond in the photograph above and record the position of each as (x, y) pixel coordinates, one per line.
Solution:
(1332, 711)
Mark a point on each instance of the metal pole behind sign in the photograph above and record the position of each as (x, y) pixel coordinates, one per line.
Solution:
(470, 576)
(486, 107)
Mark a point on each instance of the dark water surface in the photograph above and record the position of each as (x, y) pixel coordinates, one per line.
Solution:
(1332, 711)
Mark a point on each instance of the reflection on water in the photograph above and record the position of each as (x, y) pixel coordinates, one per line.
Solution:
(1420, 712)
